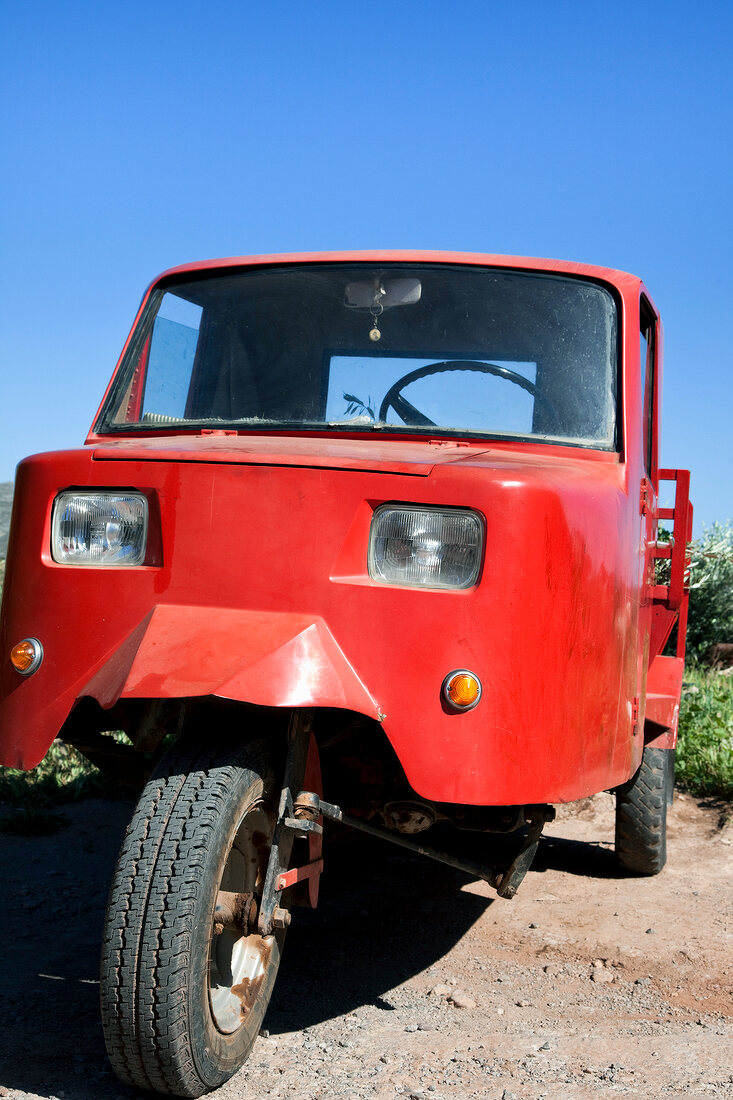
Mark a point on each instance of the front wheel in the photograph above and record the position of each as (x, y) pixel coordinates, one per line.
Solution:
(641, 814)
(183, 989)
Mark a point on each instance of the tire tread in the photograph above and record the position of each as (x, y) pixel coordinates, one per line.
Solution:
(147, 940)
(641, 815)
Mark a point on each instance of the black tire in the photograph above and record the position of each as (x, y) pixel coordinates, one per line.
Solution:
(641, 814)
(181, 1006)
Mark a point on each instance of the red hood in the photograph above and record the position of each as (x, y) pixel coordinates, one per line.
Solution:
(397, 456)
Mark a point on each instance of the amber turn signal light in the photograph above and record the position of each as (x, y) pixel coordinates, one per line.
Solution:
(26, 656)
(461, 689)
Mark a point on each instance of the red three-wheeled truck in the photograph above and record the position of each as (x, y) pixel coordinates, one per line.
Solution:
(366, 538)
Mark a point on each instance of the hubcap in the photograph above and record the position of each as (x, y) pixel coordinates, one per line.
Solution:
(238, 963)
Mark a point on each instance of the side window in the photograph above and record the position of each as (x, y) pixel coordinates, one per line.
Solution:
(646, 358)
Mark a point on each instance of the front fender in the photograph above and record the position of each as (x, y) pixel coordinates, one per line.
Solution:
(275, 659)
(269, 659)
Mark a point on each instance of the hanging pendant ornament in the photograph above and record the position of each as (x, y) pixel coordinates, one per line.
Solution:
(376, 311)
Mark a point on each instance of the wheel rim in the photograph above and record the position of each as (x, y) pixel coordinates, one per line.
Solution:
(238, 963)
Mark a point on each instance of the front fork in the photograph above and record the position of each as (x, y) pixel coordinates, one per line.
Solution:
(298, 815)
(301, 812)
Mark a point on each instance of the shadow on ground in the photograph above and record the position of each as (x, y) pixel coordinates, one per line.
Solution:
(384, 916)
(576, 857)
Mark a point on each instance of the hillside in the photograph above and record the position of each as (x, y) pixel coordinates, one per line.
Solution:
(6, 500)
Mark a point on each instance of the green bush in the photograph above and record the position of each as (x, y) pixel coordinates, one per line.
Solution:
(28, 798)
(62, 776)
(711, 594)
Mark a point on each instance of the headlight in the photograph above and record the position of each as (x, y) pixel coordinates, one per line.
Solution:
(425, 547)
(92, 528)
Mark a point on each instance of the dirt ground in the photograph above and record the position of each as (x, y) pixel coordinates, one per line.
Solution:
(410, 980)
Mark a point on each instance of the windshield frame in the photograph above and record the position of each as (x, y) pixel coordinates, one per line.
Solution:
(105, 427)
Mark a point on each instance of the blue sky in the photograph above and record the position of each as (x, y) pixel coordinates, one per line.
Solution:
(137, 136)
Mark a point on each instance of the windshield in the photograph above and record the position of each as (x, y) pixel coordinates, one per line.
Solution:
(360, 347)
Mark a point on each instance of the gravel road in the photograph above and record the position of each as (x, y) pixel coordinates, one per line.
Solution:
(410, 979)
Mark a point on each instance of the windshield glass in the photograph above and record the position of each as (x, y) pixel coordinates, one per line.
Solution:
(361, 347)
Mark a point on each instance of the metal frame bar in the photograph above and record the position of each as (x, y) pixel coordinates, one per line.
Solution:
(279, 877)
(505, 882)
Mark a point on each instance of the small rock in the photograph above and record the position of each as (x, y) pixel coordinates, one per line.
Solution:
(441, 991)
(601, 974)
(522, 1004)
(533, 925)
(411, 1027)
(651, 931)
(264, 1033)
(461, 999)
(545, 1046)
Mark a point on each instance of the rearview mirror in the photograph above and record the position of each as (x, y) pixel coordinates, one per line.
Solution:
(386, 293)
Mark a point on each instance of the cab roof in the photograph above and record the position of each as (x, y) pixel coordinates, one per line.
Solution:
(625, 282)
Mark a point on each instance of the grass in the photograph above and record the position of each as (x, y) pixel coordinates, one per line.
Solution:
(704, 758)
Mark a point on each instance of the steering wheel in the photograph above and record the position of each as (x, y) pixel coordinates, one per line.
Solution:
(410, 415)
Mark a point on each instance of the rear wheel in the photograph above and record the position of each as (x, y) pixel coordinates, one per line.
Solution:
(641, 814)
(183, 988)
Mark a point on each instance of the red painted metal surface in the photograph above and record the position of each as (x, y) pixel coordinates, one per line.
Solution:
(257, 589)
(306, 873)
(312, 782)
(663, 691)
(670, 601)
